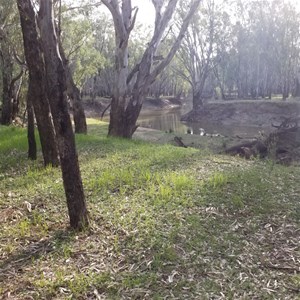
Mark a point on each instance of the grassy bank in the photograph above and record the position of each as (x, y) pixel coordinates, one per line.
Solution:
(167, 223)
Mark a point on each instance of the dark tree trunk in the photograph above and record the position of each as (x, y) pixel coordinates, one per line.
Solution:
(199, 88)
(197, 101)
(117, 120)
(7, 70)
(285, 90)
(37, 88)
(16, 96)
(56, 91)
(10, 85)
(297, 86)
(74, 95)
(30, 131)
(123, 122)
(78, 111)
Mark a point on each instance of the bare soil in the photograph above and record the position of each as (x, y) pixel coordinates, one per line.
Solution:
(245, 112)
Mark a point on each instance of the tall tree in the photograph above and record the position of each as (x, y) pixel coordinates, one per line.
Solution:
(72, 90)
(266, 43)
(47, 85)
(126, 101)
(37, 83)
(198, 50)
(56, 92)
(10, 75)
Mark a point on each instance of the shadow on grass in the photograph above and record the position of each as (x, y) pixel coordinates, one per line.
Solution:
(34, 251)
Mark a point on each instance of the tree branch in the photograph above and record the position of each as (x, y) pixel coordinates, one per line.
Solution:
(14, 80)
(83, 6)
(177, 42)
(133, 20)
(131, 74)
(114, 8)
(163, 22)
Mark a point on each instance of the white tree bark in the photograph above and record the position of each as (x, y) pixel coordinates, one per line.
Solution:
(125, 107)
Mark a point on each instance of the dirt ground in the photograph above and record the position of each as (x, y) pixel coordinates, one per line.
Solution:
(246, 112)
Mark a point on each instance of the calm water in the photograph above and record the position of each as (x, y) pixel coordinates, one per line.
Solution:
(170, 121)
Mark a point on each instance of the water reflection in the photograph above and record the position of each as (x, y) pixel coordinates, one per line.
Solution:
(170, 121)
(163, 120)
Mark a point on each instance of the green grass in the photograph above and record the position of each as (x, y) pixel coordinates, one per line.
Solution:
(166, 222)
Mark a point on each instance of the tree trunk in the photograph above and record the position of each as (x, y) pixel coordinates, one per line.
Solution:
(74, 95)
(118, 125)
(285, 89)
(123, 122)
(30, 131)
(10, 88)
(16, 95)
(7, 70)
(297, 85)
(56, 91)
(37, 88)
(197, 100)
(78, 111)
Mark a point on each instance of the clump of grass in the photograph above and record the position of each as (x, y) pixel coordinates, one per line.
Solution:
(217, 180)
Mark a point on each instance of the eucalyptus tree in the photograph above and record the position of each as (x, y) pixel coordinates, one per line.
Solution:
(11, 72)
(288, 45)
(104, 36)
(168, 83)
(78, 42)
(81, 59)
(37, 87)
(56, 93)
(267, 47)
(127, 101)
(50, 69)
(102, 83)
(200, 48)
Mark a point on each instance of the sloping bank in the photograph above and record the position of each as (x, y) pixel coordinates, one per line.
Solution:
(246, 112)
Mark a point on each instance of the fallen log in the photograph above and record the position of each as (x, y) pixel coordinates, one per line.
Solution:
(179, 142)
(288, 123)
(281, 145)
(248, 149)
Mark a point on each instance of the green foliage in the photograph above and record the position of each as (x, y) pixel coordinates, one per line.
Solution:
(79, 45)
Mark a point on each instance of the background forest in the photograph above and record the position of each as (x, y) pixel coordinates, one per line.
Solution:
(232, 50)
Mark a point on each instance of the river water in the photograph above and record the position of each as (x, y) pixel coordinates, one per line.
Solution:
(169, 120)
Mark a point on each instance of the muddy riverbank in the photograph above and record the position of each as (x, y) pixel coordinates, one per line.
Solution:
(261, 113)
